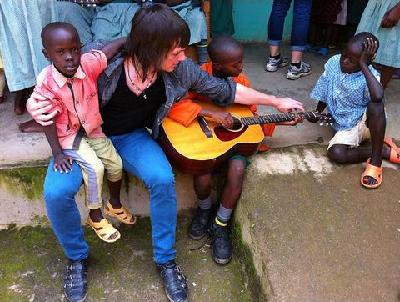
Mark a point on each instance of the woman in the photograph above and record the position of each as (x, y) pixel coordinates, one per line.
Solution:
(137, 91)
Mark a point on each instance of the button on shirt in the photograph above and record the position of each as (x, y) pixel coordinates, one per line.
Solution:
(346, 94)
(75, 99)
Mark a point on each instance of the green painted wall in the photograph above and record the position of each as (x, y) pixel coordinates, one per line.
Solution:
(251, 18)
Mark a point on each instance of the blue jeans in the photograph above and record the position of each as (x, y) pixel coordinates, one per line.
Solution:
(142, 157)
(301, 21)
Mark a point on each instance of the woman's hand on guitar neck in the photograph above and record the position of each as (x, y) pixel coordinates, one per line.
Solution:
(287, 105)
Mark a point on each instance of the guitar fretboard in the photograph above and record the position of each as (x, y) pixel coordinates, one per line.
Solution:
(275, 118)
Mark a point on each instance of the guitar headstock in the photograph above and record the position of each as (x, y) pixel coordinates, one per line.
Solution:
(324, 119)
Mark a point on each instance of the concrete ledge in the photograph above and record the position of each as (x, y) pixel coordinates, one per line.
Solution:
(22, 203)
(314, 233)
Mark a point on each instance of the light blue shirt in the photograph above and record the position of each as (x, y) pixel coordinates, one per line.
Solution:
(346, 94)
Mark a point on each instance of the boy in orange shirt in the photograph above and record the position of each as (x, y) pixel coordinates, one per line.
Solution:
(226, 56)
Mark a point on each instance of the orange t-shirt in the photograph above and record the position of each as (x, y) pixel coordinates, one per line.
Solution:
(186, 111)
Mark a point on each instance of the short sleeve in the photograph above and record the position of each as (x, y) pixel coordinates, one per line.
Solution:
(320, 90)
(94, 63)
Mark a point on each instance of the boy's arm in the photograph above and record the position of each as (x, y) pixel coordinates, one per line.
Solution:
(112, 48)
(374, 87)
(62, 162)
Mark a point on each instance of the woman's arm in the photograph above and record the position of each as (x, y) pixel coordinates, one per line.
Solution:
(249, 96)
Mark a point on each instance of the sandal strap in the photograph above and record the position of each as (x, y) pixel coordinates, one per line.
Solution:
(374, 172)
(103, 227)
(122, 213)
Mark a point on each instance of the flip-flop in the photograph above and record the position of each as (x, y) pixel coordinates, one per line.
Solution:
(374, 172)
(394, 156)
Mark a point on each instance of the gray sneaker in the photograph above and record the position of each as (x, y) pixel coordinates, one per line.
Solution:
(295, 73)
(273, 64)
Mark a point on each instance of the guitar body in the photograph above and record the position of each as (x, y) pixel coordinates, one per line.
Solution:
(192, 152)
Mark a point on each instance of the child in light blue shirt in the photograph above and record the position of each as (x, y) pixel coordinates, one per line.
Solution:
(350, 90)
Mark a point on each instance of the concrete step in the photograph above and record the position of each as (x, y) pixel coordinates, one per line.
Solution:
(32, 266)
(315, 234)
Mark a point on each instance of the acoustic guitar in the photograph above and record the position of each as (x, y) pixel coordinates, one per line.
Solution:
(204, 145)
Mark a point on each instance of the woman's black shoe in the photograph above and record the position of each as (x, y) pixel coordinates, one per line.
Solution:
(75, 281)
(174, 281)
(221, 243)
(200, 223)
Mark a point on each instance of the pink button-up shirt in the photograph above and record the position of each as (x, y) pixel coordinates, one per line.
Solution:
(75, 99)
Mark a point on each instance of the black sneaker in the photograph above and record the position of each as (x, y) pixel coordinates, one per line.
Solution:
(75, 281)
(200, 223)
(174, 281)
(221, 243)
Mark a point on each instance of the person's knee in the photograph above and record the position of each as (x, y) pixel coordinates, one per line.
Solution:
(237, 168)
(160, 177)
(57, 199)
(337, 154)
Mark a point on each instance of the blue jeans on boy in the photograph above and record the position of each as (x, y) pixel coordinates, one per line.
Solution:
(142, 157)
(301, 21)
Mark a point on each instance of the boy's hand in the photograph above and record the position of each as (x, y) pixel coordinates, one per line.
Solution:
(370, 47)
(223, 118)
(314, 119)
(62, 163)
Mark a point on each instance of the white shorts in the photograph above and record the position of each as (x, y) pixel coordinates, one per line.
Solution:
(354, 136)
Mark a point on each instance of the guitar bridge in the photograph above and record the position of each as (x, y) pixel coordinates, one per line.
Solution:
(204, 126)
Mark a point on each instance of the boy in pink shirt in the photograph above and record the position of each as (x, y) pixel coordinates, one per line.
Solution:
(70, 83)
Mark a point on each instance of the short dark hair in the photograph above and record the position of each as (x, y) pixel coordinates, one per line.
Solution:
(156, 29)
(220, 45)
(360, 38)
(50, 28)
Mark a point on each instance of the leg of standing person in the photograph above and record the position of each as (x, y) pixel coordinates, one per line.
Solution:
(300, 25)
(21, 22)
(62, 211)
(2, 85)
(276, 22)
(387, 74)
(144, 158)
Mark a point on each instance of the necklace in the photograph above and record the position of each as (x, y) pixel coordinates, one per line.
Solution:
(141, 91)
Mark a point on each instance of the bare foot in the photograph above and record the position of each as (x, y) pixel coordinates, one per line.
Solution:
(30, 127)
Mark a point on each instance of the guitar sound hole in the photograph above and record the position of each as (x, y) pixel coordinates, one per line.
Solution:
(237, 125)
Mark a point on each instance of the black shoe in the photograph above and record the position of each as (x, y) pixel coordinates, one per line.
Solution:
(200, 223)
(221, 243)
(174, 281)
(75, 281)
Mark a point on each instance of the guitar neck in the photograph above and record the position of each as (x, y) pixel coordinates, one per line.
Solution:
(274, 118)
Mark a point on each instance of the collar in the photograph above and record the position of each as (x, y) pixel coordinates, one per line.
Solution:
(62, 80)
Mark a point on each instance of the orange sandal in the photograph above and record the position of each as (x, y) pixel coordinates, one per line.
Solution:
(104, 230)
(394, 156)
(121, 214)
(374, 172)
